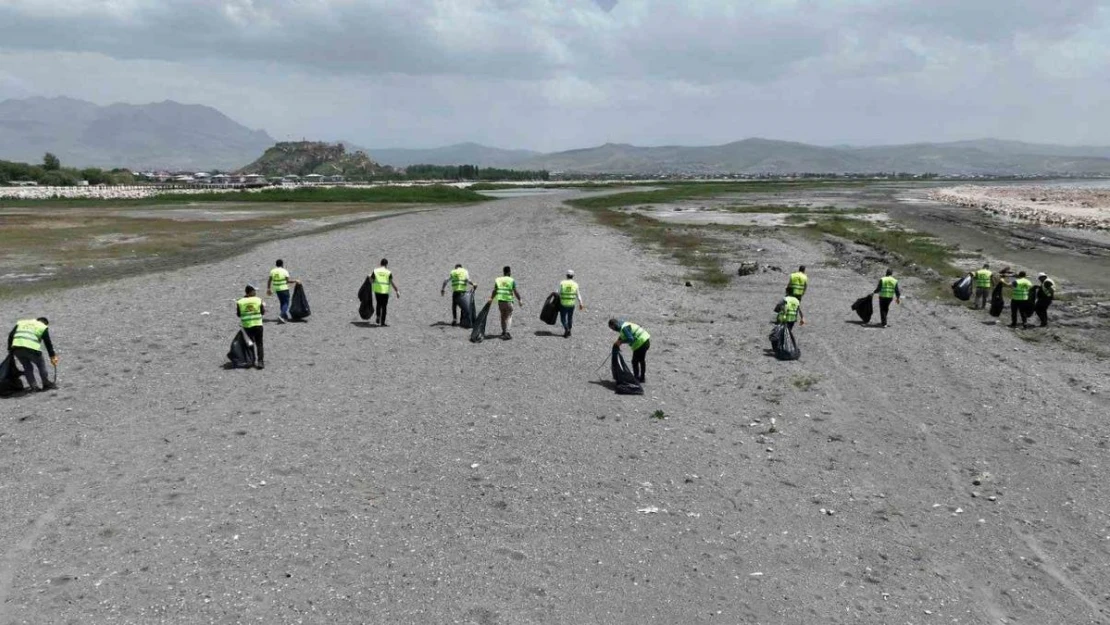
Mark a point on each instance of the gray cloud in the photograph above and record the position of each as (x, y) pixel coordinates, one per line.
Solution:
(563, 73)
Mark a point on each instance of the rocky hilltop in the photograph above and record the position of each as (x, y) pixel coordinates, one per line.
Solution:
(301, 158)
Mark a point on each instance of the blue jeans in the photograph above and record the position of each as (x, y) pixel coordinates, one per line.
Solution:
(283, 298)
(566, 316)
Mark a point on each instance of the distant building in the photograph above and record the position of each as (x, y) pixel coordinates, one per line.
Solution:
(313, 179)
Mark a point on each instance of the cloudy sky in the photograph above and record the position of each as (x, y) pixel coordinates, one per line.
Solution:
(560, 74)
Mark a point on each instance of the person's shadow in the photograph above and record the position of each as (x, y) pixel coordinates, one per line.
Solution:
(441, 324)
(546, 333)
(861, 323)
(612, 386)
(364, 324)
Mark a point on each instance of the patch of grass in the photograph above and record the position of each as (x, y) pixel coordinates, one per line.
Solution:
(911, 248)
(689, 191)
(799, 210)
(387, 194)
(659, 415)
(804, 382)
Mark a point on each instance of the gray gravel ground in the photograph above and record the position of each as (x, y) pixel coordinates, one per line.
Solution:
(404, 475)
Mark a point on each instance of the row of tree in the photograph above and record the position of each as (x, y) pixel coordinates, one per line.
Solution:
(51, 173)
(471, 172)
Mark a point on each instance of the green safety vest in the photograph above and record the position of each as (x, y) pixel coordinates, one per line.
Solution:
(250, 311)
(279, 279)
(1022, 286)
(505, 287)
(887, 287)
(28, 334)
(382, 277)
(459, 278)
(1048, 287)
(798, 282)
(983, 278)
(639, 335)
(789, 312)
(568, 293)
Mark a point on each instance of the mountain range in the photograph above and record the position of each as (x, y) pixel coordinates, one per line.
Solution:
(163, 135)
(170, 135)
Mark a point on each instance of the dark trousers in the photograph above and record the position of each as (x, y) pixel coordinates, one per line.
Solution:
(1019, 308)
(639, 362)
(884, 308)
(982, 294)
(1042, 309)
(283, 300)
(381, 302)
(255, 335)
(566, 317)
(29, 358)
(456, 304)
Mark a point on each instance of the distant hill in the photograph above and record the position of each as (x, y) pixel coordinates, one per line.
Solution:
(302, 158)
(458, 154)
(164, 135)
(763, 156)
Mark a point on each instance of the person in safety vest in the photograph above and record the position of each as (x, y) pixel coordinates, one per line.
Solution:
(1020, 289)
(983, 280)
(569, 295)
(381, 280)
(25, 342)
(888, 291)
(504, 289)
(279, 282)
(798, 283)
(1046, 297)
(250, 309)
(638, 340)
(459, 279)
(789, 310)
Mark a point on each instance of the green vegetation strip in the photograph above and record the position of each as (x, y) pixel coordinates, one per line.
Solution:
(911, 248)
(423, 194)
(690, 191)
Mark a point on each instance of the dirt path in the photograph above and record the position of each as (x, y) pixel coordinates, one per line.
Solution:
(403, 475)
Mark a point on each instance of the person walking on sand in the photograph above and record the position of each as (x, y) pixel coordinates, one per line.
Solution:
(1020, 289)
(1045, 299)
(983, 280)
(459, 279)
(279, 282)
(888, 291)
(569, 295)
(504, 289)
(250, 309)
(25, 342)
(639, 341)
(789, 309)
(799, 281)
(381, 282)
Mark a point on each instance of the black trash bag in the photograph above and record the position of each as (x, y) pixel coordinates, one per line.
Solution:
(242, 353)
(626, 381)
(783, 343)
(864, 307)
(466, 315)
(366, 299)
(298, 306)
(549, 314)
(478, 331)
(11, 378)
(998, 303)
(962, 288)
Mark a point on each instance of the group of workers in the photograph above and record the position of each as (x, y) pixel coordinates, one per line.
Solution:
(250, 307)
(1026, 297)
(789, 309)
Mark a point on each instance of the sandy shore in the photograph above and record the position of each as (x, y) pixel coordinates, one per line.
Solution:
(1053, 206)
(940, 470)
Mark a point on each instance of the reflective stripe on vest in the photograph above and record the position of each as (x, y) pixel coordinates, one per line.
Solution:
(1022, 286)
(28, 334)
(638, 337)
(459, 278)
(568, 293)
(789, 313)
(983, 278)
(381, 280)
(250, 311)
(505, 286)
(888, 286)
(279, 279)
(798, 281)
